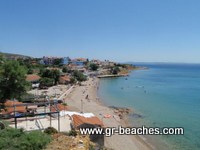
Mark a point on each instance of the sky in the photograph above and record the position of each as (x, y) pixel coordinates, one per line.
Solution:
(118, 30)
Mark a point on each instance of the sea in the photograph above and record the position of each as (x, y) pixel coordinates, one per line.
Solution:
(164, 95)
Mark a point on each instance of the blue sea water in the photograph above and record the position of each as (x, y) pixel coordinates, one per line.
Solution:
(165, 95)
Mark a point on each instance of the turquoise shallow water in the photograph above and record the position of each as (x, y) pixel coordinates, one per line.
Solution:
(165, 95)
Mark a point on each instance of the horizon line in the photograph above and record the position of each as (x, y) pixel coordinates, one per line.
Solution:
(152, 62)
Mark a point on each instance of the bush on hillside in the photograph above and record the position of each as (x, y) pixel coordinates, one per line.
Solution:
(72, 133)
(46, 82)
(13, 139)
(115, 70)
(50, 130)
(94, 67)
(65, 70)
(79, 76)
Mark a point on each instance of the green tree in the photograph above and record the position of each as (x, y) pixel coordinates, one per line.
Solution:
(115, 70)
(12, 81)
(57, 62)
(46, 73)
(72, 80)
(53, 74)
(30, 71)
(2, 60)
(94, 67)
(65, 70)
(46, 82)
(79, 76)
(41, 71)
(21, 61)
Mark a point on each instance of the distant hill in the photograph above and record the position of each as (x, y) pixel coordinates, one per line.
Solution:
(14, 56)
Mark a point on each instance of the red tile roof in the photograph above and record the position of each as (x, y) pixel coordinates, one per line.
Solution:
(59, 107)
(79, 120)
(9, 107)
(32, 77)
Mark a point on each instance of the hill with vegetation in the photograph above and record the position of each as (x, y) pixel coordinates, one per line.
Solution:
(14, 56)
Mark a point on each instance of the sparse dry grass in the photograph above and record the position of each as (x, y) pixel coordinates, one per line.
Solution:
(64, 142)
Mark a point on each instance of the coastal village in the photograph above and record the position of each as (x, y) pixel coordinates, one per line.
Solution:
(61, 97)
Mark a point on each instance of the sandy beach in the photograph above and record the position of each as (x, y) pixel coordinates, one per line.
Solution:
(94, 105)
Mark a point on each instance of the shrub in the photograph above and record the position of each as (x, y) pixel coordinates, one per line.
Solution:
(30, 71)
(3, 124)
(13, 139)
(65, 70)
(51, 74)
(46, 82)
(72, 133)
(91, 147)
(50, 130)
(34, 140)
(94, 67)
(115, 70)
(79, 76)
(72, 80)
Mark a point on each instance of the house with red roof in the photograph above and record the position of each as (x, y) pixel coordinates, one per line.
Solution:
(11, 108)
(33, 79)
(82, 122)
(91, 123)
(79, 61)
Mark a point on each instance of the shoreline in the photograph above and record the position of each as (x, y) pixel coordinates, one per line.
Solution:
(95, 105)
(112, 76)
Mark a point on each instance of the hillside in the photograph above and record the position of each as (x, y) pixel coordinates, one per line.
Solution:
(14, 56)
